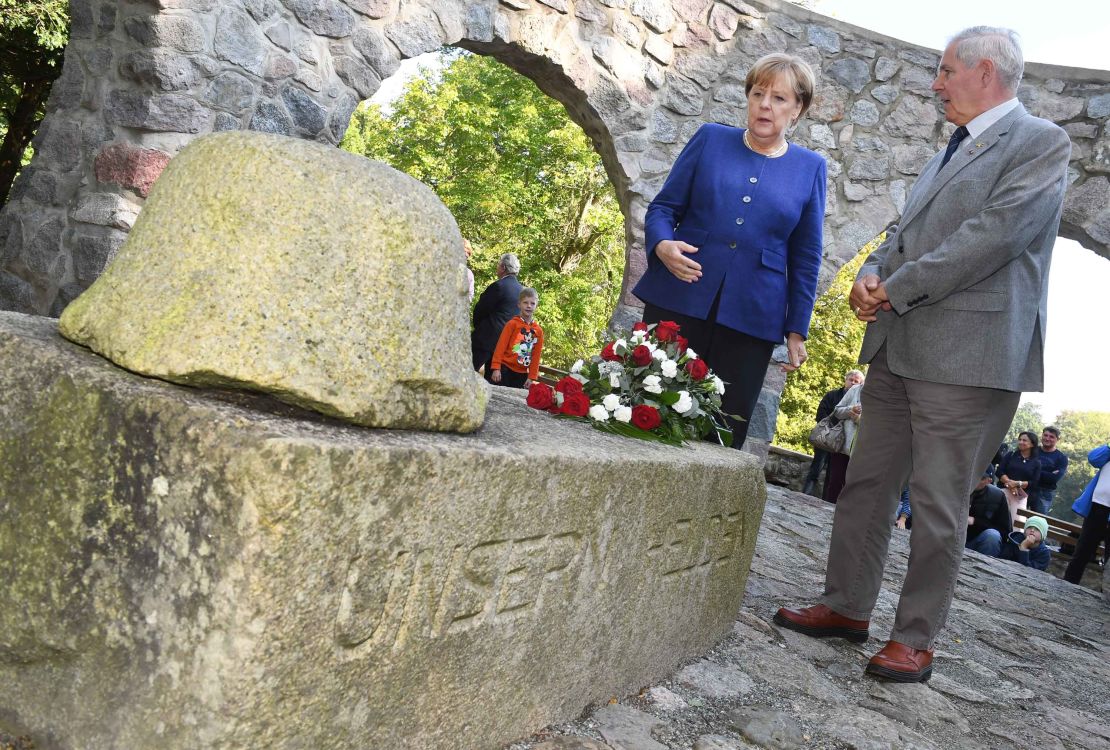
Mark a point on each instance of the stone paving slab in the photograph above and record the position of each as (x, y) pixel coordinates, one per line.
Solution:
(1024, 662)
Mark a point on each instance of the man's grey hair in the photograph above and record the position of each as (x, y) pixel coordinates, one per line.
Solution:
(850, 373)
(999, 45)
(510, 263)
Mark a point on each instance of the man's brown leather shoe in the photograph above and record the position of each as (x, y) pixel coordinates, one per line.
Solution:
(900, 663)
(821, 622)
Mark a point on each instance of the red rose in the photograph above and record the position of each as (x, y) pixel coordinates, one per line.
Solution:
(540, 396)
(641, 356)
(640, 326)
(667, 330)
(697, 369)
(683, 343)
(645, 417)
(568, 385)
(576, 404)
(608, 354)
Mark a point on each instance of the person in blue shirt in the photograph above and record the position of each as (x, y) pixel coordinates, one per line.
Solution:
(1054, 465)
(1094, 506)
(734, 238)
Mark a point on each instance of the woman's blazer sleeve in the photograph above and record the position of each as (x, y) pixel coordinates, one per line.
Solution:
(670, 204)
(803, 257)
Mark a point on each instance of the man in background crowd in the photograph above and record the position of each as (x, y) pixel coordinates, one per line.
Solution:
(824, 409)
(496, 307)
(1054, 465)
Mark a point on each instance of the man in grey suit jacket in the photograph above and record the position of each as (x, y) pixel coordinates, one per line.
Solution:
(955, 300)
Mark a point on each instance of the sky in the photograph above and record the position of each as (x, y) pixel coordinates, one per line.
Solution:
(1069, 32)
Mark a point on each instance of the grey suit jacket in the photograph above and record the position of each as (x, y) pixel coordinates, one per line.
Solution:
(966, 269)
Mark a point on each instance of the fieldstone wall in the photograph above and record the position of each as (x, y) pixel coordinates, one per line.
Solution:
(144, 77)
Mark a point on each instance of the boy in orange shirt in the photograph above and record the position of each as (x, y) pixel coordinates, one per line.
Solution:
(516, 358)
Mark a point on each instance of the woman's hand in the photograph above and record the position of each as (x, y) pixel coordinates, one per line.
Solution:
(495, 376)
(857, 410)
(795, 352)
(673, 254)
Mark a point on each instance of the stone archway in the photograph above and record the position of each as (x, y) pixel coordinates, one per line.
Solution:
(639, 76)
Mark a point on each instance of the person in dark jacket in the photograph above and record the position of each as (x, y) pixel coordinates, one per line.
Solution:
(1054, 465)
(824, 409)
(1028, 547)
(1021, 470)
(496, 307)
(988, 520)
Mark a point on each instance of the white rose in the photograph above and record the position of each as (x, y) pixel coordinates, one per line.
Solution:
(669, 368)
(598, 413)
(718, 385)
(684, 403)
(611, 402)
(651, 347)
(620, 346)
(652, 384)
(577, 366)
(659, 354)
(614, 380)
(691, 354)
(623, 414)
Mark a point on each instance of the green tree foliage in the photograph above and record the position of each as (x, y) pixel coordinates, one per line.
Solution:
(1080, 431)
(833, 346)
(1027, 418)
(33, 35)
(520, 177)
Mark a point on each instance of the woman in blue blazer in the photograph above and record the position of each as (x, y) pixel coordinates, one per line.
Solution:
(734, 237)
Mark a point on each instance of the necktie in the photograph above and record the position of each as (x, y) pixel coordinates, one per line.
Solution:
(953, 144)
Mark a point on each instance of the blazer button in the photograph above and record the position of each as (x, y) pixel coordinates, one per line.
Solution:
(747, 199)
(753, 180)
(740, 220)
(901, 250)
(732, 245)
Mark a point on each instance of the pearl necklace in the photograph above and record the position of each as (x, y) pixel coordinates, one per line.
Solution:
(773, 155)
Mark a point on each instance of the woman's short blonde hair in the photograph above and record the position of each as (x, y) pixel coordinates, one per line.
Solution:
(791, 68)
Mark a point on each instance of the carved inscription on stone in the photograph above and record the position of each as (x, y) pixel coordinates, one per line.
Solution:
(690, 545)
(394, 597)
(391, 598)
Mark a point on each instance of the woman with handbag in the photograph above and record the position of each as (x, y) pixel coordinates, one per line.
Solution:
(1019, 472)
(848, 411)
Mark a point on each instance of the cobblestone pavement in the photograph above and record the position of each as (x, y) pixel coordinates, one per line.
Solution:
(1024, 662)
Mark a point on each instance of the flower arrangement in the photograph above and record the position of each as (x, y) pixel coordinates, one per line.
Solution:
(646, 384)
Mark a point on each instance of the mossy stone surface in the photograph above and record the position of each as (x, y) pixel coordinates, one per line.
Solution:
(292, 268)
(188, 568)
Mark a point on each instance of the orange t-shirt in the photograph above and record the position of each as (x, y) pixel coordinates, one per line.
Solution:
(519, 347)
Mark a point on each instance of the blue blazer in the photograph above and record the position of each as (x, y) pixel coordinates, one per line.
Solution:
(1097, 458)
(757, 225)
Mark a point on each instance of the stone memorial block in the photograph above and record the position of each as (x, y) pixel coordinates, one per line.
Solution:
(194, 569)
(322, 278)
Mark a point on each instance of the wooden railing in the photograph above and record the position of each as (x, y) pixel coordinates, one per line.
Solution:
(1063, 532)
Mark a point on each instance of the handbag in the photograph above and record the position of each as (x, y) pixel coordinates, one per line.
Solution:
(828, 435)
(1016, 499)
